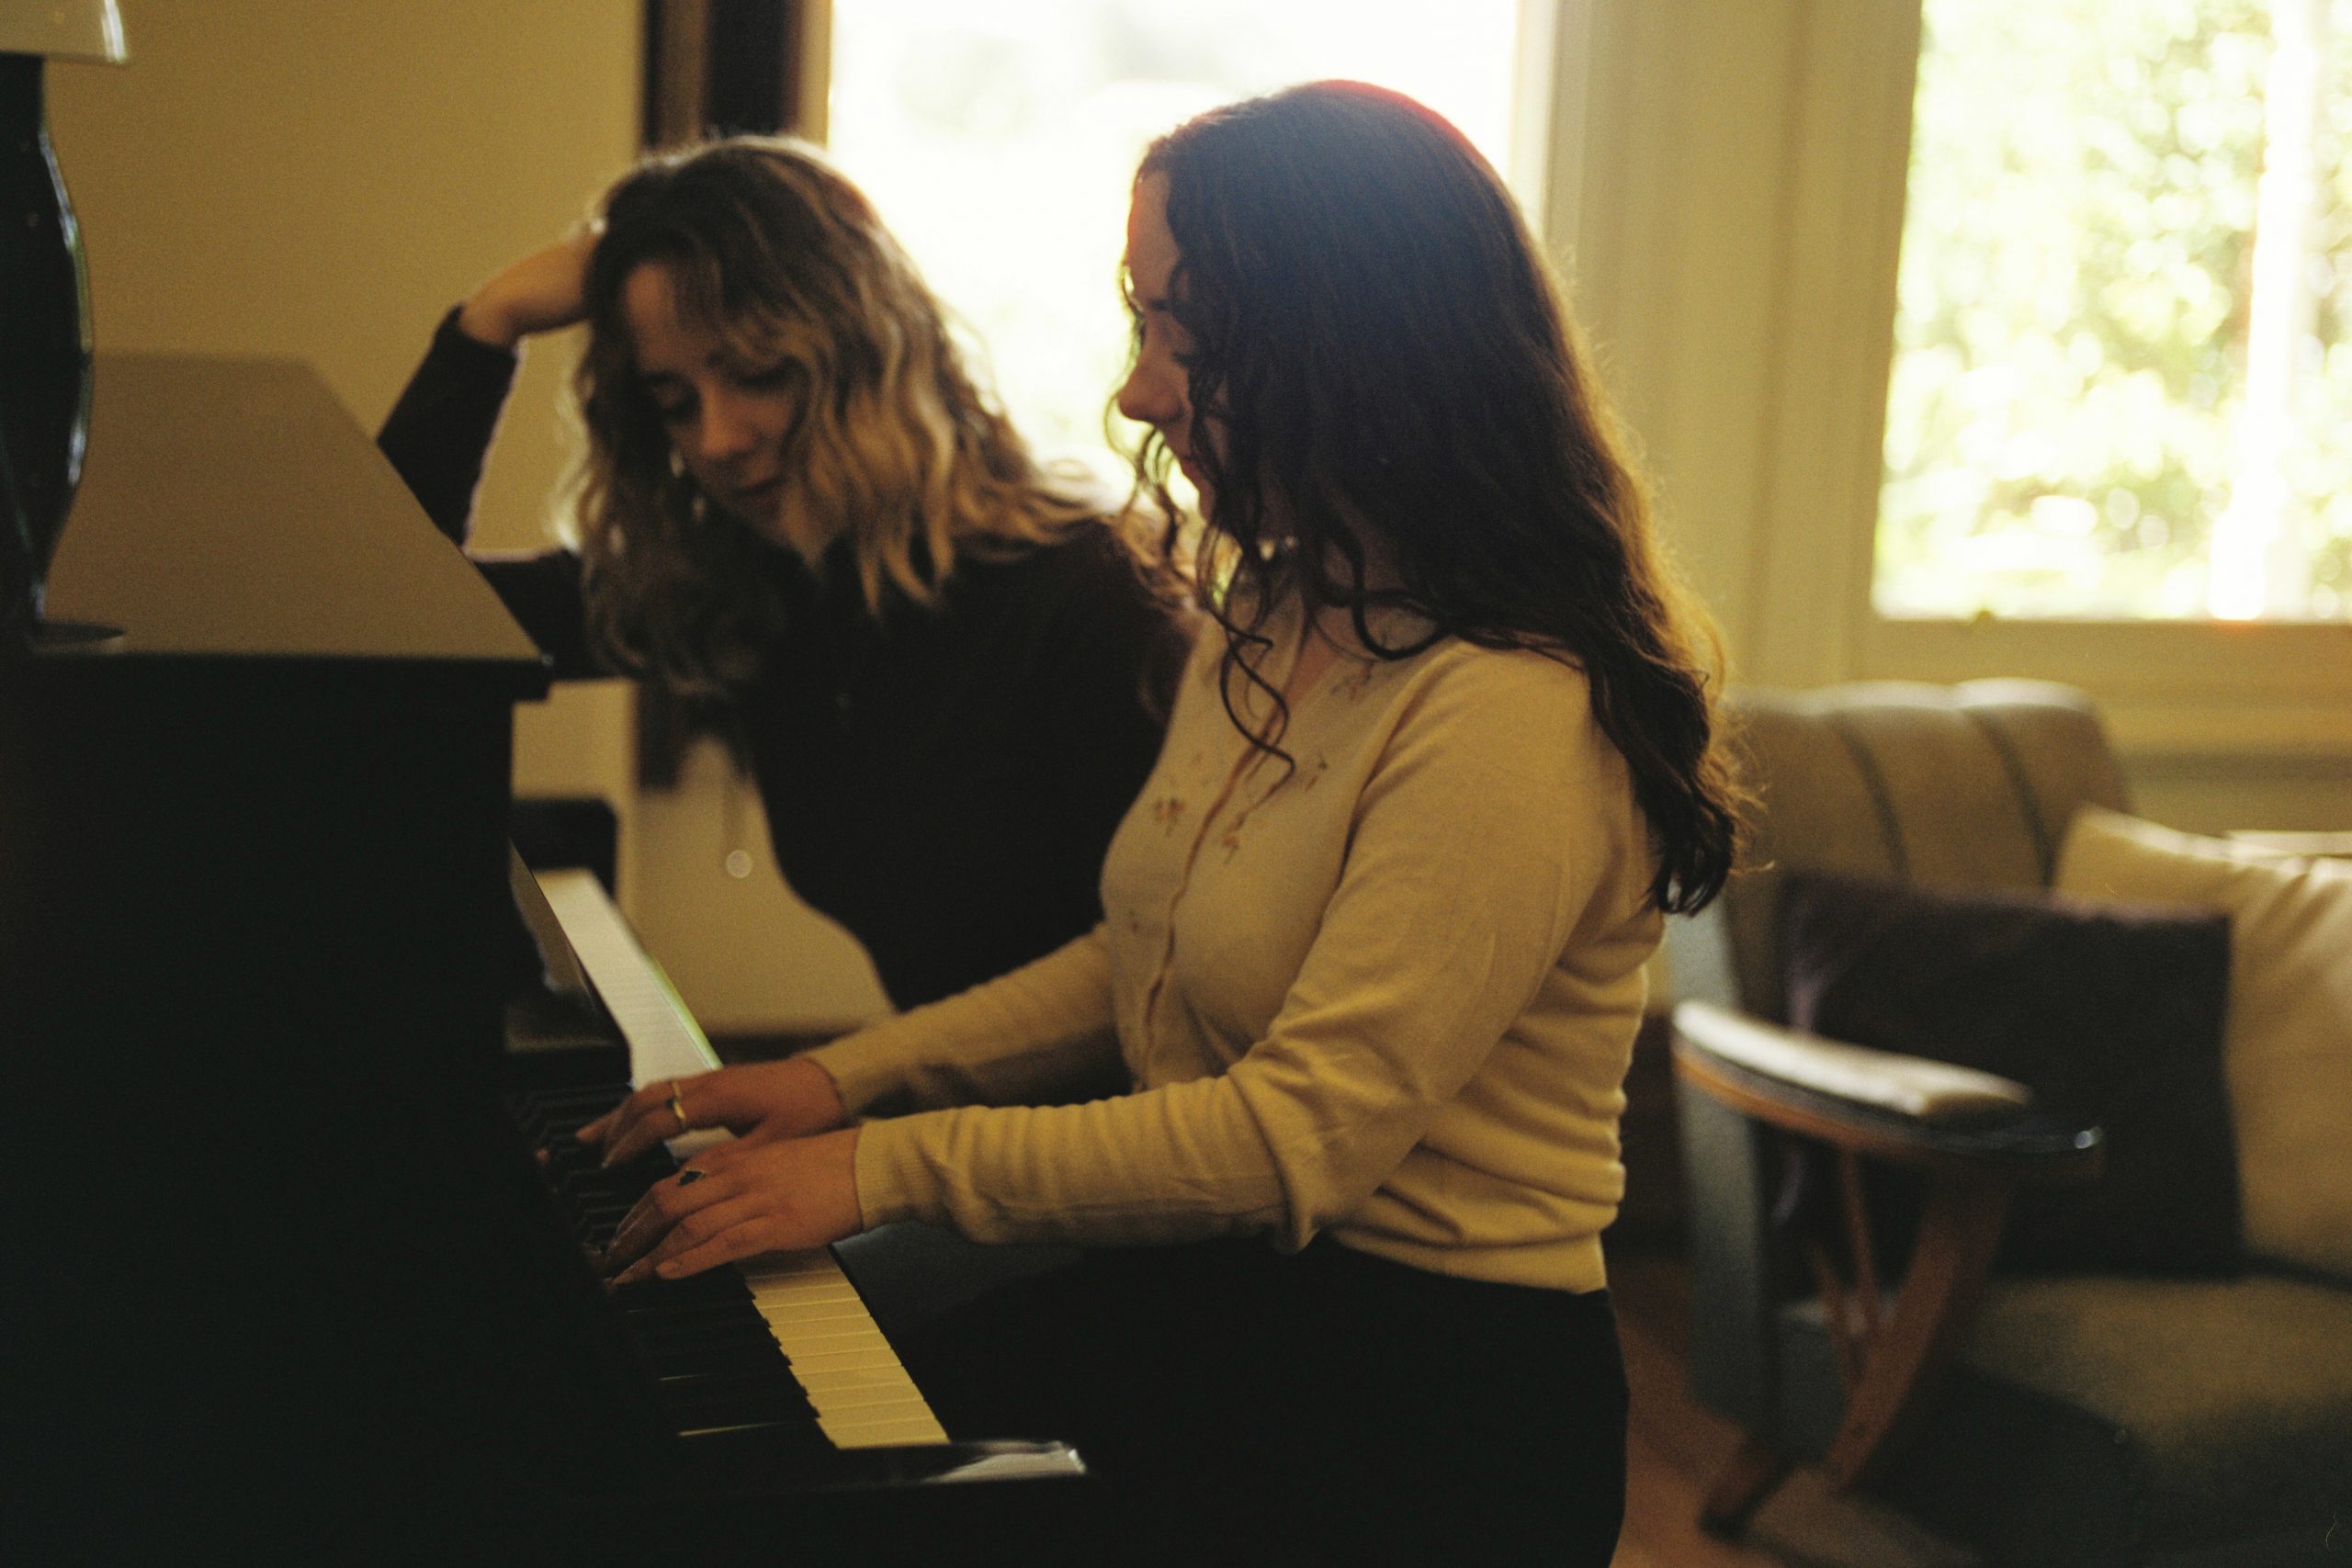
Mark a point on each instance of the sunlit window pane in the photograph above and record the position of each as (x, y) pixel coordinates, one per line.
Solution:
(999, 141)
(2121, 368)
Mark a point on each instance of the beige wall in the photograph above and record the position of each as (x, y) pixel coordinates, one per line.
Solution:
(286, 177)
(321, 182)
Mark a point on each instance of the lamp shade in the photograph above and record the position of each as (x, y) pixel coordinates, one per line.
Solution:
(64, 29)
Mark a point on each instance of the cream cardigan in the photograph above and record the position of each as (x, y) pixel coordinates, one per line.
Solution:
(1390, 994)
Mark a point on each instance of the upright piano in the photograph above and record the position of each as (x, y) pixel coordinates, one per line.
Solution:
(279, 1271)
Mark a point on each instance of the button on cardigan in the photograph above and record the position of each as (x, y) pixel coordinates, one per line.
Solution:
(1388, 991)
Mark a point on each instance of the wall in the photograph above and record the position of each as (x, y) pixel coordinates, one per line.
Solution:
(321, 182)
(280, 176)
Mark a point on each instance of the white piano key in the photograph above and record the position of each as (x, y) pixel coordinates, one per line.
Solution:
(862, 1394)
(918, 1427)
(854, 1400)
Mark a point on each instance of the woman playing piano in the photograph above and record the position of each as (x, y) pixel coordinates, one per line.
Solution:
(796, 502)
(1376, 928)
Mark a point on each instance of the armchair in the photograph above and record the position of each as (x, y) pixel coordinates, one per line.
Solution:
(2051, 1419)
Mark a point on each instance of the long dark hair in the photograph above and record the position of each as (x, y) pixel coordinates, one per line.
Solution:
(1384, 359)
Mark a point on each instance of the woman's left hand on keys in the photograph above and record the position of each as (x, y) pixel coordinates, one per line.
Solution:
(737, 1199)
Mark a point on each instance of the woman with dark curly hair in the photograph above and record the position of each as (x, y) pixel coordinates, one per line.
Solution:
(796, 502)
(1375, 930)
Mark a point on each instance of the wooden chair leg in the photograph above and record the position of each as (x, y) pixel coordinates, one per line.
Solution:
(1746, 1479)
(1958, 1233)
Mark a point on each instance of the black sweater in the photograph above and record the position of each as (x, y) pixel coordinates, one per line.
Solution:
(942, 780)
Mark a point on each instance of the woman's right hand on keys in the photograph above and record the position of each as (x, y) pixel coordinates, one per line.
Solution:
(765, 1100)
(538, 293)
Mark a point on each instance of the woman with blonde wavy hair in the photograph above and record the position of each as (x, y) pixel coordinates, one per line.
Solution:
(796, 500)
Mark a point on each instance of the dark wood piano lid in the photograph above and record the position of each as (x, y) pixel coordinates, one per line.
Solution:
(231, 508)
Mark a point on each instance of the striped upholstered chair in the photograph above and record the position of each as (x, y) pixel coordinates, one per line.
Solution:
(2072, 1421)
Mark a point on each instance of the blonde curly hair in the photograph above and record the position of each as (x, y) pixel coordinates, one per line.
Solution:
(896, 450)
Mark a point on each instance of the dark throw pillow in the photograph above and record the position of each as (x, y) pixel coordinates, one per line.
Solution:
(2110, 1013)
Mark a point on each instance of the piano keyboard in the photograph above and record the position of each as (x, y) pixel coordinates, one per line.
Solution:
(863, 1396)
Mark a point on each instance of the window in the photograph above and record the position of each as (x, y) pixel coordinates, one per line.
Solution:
(2123, 340)
(999, 141)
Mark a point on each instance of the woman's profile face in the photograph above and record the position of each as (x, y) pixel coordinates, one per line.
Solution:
(1158, 391)
(730, 423)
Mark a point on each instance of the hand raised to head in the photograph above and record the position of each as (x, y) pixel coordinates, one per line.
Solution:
(537, 293)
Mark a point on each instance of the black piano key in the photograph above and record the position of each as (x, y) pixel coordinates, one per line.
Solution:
(722, 1414)
(713, 1335)
(728, 1366)
(774, 1390)
(717, 1365)
(653, 1297)
(746, 1331)
(734, 1379)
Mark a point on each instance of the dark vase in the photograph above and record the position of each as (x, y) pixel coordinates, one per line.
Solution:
(44, 350)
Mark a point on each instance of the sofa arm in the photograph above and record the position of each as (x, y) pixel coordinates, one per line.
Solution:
(1977, 1137)
(1908, 1110)
(1935, 1092)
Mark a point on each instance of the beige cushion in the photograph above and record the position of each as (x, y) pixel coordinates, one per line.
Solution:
(2336, 846)
(2288, 1047)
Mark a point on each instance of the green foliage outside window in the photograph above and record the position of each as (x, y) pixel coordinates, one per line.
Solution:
(2063, 424)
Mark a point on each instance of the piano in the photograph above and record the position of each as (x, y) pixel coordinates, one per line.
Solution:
(860, 1395)
(280, 1276)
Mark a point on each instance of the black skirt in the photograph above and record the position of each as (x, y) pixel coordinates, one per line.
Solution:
(1238, 1405)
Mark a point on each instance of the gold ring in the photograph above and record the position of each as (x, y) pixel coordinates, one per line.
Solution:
(677, 1108)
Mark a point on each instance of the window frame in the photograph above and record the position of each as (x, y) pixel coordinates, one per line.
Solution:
(2184, 689)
